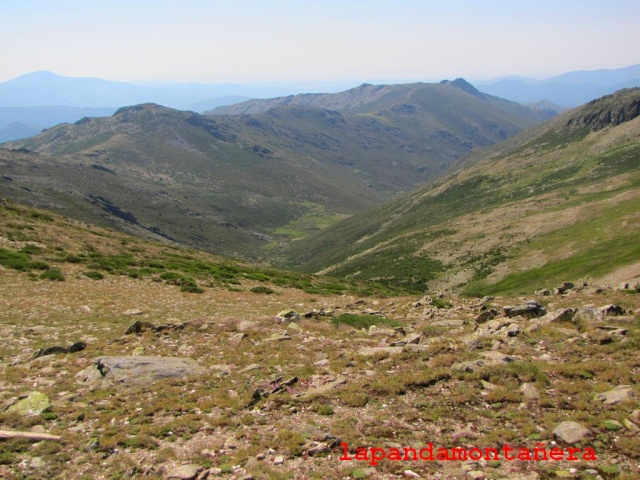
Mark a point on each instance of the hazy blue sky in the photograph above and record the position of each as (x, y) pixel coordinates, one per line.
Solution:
(252, 41)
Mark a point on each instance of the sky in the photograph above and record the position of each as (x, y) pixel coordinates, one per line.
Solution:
(271, 41)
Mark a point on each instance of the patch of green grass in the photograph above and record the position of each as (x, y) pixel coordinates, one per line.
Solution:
(598, 260)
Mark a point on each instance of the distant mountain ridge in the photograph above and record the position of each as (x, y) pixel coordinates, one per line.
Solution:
(569, 90)
(236, 183)
(39, 89)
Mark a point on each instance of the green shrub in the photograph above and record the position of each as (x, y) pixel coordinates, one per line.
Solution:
(261, 289)
(53, 274)
(94, 275)
(191, 289)
(362, 321)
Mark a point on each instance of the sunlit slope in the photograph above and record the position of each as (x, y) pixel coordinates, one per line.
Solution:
(561, 205)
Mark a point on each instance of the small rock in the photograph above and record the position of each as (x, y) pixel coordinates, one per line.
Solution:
(530, 309)
(571, 432)
(185, 472)
(139, 327)
(629, 425)
(618, 395)
(132, 311)
(410, 474)
(34, 404)
(475, 475)
(529, 391)
(237, 338)
(286, 316)
(279, 460)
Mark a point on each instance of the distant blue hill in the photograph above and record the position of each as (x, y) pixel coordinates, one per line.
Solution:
(568, 90)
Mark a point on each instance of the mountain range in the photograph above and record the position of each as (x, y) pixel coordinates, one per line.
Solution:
(232, 184)
(567, 90)
(39, 100)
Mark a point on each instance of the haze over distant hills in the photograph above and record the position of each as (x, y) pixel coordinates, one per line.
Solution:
(568, 90)
(235, 183)
(46, 89)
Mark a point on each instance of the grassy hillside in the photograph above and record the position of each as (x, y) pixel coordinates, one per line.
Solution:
(558, 204)
(235, 184)
(45, 246)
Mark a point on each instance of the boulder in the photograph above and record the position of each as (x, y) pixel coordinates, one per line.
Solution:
(571, 432)
(132, 371)
(76, 347)
(185, 472)
(33, 404)
(530, 309)
(618, 395)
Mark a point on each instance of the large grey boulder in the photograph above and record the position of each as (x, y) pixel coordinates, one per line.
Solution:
(133, 371)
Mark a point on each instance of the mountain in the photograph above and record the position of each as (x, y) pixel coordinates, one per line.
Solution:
(569, 90)
(367, 99)
(558, 202)
(234, 184)
(46, 89)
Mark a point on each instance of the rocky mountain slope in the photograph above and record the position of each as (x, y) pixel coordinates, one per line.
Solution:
(133, 359)
(235, 184)
(559, 201)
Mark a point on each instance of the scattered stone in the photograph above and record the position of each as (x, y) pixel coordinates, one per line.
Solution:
(131, 371)
(33, 404)
(612, 310)
(475, 475)
(76, 347)
(486, 315)
(139, 327)
(249, 368)
(629, 425)
(237, 338)
(619, 394)
(328, 386)
(530, 309)
(287, 316)
(410, 474)
(488, 386)
(563, 288)
(131, 312)
(279, 460)
(369, 351)
(321, 363)
(530, 392)
(185, 472)
(571, 432)
(281, 337)
(388, 332)
(545, 292)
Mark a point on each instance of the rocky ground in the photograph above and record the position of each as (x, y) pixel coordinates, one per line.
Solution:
(136, 379)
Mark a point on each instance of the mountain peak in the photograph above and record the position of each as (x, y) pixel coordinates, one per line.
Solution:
(465, 86)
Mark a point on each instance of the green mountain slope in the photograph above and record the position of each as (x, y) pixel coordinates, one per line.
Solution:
(558, 203)
(234, 184)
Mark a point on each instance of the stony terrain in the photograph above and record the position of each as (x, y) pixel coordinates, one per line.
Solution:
(136, 378)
